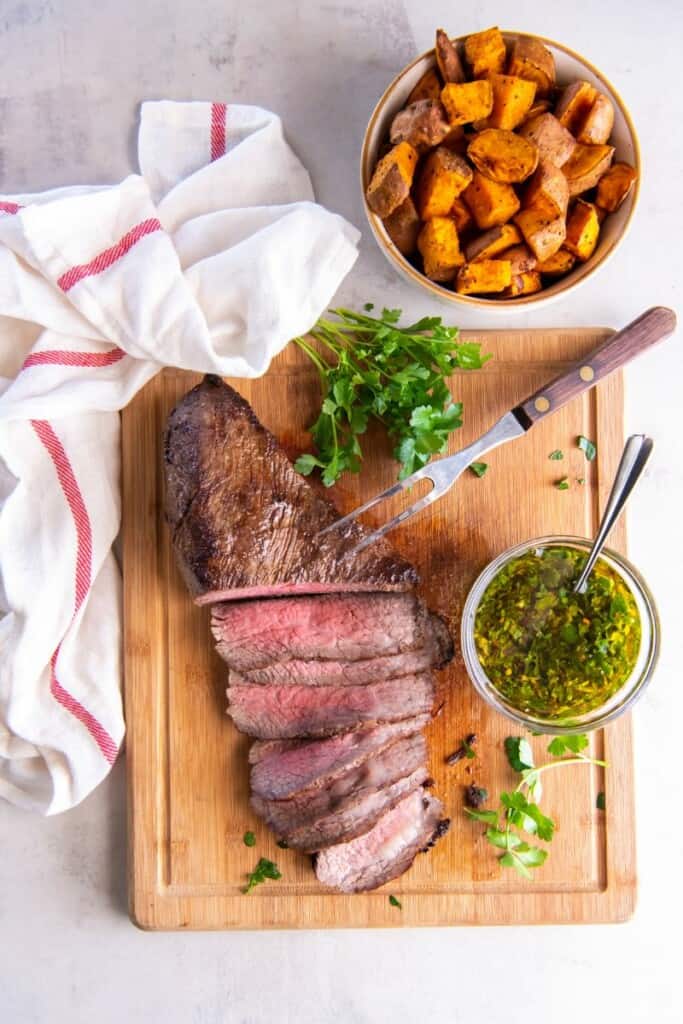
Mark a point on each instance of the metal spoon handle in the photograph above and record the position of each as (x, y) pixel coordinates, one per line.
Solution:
(637, 451)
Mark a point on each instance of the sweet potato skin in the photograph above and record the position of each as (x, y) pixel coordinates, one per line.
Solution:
(427, 88)
(502, 155)
(440, 249)
(574, 103)
(583, 229)
(403, 227)
(485, 51)
(521, 259)
(554, 142)
(448, 58)
(443, 177)
(423, 124)
(548, 190)
(462, 217)
(614, 186)
(512, 100)
(586, 166)
(467, 101)
(483, 277)
(530, 59)
(392, 179)
(523, 284)
(490, 201)
(543, 234)
(492, 242)
(558, 264)
(596, 127)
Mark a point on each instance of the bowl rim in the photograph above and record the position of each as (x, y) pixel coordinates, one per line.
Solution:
(632, 689)
(448, 295)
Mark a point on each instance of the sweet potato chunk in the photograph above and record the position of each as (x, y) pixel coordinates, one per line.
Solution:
(543, 234)
(422, 124)
(485, 52)
(554, 142)
(467, 102)
(502, 155)
(530, 59)
(583, 228)
(447, 58)
(456, 140)
(538, 107)
(492, 242)
(558, 264)
(462, 216)
(512, 100)
(443, 178)
(392, 179)
(574, 103)
(614, 186)
(491, 203)
(521, 259)
(428, 87)
(596, 127)
(403, 227)
(548, 190)
(523, 284)
(586, 166)
(483, 277)
(440, 248)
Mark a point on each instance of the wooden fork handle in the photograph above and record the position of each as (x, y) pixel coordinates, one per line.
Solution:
(652, 326)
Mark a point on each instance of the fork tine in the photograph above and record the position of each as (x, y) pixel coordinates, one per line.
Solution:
(389, 493)
(400, 518)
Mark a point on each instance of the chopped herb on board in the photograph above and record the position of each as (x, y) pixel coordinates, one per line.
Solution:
(282, 844)
(263, 870)
(587, 447)
(464, 750)
(600, 801)
(556, 455)
(475, 796)
(395, 902)
(563, 484)
(479, 468)
(249, 839)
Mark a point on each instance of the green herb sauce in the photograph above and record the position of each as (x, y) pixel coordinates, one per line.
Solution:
(550, 652)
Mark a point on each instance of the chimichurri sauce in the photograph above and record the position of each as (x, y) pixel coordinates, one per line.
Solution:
(550, 652)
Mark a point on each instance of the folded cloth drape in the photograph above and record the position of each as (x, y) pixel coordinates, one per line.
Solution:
(211, 260)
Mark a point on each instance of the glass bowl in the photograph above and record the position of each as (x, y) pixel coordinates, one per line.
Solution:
(620, 701)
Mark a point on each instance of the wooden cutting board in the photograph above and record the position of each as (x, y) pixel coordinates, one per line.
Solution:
(187, 764)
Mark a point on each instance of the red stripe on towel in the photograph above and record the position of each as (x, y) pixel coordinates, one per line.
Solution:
(6, 207)
(218, 136)
(59, 357)
(105, 259)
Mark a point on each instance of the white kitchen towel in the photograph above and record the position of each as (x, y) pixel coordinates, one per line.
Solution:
(211, 260)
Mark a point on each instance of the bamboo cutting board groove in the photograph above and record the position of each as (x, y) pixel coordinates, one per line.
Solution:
(187, 764)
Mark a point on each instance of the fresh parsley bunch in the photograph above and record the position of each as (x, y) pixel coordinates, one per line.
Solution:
(370, 368)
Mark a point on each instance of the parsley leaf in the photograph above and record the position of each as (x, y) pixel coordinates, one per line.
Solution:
(556, 455)
(478, 468)
(573, 744)
(519, 753)
(587, 447)
(563, 484)
(372, 369)
(490, 817)
(249, 839)
(263, 870)
(395, 902)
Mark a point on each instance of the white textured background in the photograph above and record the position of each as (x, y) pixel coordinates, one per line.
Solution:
(72, 73)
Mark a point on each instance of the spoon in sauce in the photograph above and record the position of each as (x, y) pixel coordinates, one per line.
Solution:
(637, 451)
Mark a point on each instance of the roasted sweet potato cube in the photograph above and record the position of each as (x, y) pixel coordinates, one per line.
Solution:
(523, 284)
(554, 142)
(558, 264)
(462, 216)
(615, 185)
(548, 190)
(456, 139)
(403, 227)
(512, 100)
(467, 102)
(492, 242)
(596, 127)
(602, 213)
(440, 248)
(483, 277)
(428, 88)
(503, 156)
(485, 52)
(538, 107)
(448, 58)
(543, 234)
(490, 201)
(422, 124)
(586, 166)
(442, 179)
(392, 179)
(574, 103)
(530, 59)
(583, 228)
(521, 259)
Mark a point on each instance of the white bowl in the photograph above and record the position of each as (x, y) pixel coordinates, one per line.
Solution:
(570, 67)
